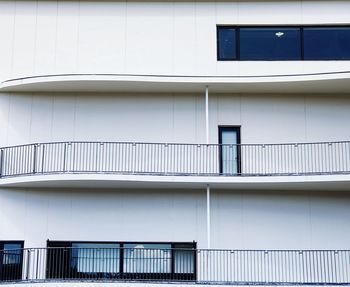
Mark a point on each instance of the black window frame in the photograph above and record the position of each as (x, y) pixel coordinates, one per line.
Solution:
(301, 34)
(63, 249)
(238, 131)
(13, 272)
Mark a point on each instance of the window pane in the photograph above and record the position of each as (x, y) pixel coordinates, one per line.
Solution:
(229, 140)
(95, 258)
(12, 253)
(270, 44)
(147, 258)
(327, 43)
(226, 43)
(184, 258)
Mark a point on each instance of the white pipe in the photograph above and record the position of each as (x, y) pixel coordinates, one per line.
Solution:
(208, 217)
(208, 187)
(207, 113)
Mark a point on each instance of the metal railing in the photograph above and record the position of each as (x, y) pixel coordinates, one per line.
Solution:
(176, 159)
(196, 265)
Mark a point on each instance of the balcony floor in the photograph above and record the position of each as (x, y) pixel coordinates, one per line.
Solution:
(134, 284)
(339, 182)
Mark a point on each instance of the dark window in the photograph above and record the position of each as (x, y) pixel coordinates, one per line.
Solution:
(11, 256)
(229, 140)
(283, 43)
(121, 260)
(226, 43)
(270, 44)
(327, 43)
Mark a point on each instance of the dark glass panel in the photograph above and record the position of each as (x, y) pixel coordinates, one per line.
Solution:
(270, 44)
(226, 43)
(327, 43)
(11, 257)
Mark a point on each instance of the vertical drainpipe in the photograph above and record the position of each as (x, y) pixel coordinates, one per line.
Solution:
(208, 187)
(208, 216)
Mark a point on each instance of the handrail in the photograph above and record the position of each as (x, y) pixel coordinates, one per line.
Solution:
(318, 158)
(178, 143)
(258, 267)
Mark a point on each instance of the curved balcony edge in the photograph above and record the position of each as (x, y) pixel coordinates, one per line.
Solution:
(339, 182)
(328, 82)
(320, 165)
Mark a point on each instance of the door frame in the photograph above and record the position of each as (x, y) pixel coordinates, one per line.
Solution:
(238, 131)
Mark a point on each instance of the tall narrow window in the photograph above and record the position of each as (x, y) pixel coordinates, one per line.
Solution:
(327, 43)
(11, 256)
(226, 45)
(229, 140)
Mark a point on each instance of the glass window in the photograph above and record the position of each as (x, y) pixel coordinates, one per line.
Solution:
(147, 258)
(95, 257)
(270, 44)
(226, 43)
(121, 260)
(12, 253)
(184, 259)
(11, 256)
(327, 43)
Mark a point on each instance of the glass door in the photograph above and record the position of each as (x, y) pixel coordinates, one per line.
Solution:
(229, 140)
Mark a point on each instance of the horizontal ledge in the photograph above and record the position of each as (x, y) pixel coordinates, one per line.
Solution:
(125, 283)
(93, 180)
(332, 82)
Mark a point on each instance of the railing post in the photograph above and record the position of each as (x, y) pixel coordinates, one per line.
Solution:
(43, 159)
(34, 158)
(1, 161)
(28, 263)
(64, 157)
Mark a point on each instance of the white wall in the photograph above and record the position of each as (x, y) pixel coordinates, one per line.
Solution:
(242, 220)
(170, 37)
(27, 118)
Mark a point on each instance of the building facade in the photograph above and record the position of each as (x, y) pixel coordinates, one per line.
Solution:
(175, 141)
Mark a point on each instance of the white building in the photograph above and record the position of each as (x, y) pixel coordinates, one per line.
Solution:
(180, 127)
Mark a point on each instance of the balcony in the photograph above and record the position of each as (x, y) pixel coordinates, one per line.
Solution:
(281, 81)
(157, 161)
(203, 266)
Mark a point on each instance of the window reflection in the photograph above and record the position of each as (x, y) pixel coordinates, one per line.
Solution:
(95, 257)
(12, 254)
(147, 258)
(327, 43)
(270, 44)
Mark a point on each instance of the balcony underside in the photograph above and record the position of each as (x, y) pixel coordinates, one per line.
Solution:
(333, 82)
(339, 182)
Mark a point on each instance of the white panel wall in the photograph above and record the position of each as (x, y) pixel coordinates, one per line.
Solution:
(106, 215)
(242, 220)
(267, 220)
(27, 118)
(164, 38)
